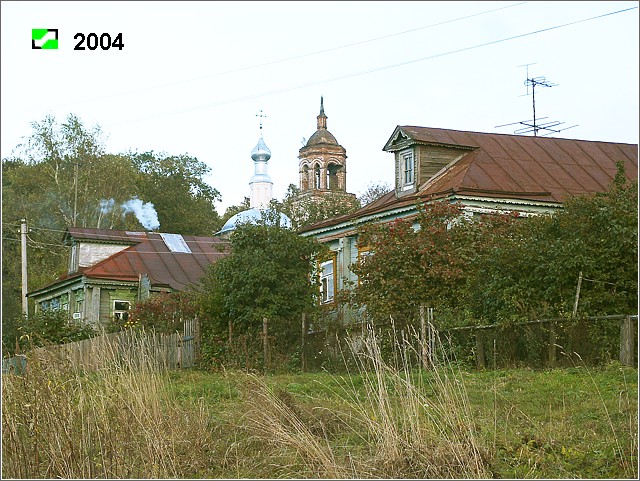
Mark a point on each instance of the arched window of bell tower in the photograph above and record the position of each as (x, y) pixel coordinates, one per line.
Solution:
(333, 182)
(304, 178)
(317, 177)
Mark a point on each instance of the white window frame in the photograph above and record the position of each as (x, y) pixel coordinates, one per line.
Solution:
(120, 314)
(328, 281)
(408, 168)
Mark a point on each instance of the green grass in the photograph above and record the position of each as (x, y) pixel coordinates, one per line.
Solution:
(562, 423)
(138, 420)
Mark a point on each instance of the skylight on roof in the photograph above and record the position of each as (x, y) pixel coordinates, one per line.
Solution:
(175, 243)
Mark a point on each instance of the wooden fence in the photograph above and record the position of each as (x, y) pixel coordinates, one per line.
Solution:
(537, 344)
(170, 351)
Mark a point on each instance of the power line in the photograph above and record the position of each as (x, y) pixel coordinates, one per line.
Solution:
(287, 59)
(369, 71)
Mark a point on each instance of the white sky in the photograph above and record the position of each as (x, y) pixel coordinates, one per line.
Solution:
(193, 75)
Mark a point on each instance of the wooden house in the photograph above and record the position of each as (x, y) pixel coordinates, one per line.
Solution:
(485, 173)
(110, 270)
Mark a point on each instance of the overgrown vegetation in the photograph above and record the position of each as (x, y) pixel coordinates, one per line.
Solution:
(501, 269)
(385, 419)
(42, 329)
(267, 275)
(121, 421)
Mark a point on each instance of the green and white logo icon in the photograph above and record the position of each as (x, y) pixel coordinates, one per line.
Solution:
(44, 38)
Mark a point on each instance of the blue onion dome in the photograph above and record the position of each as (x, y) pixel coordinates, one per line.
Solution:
(261, 152)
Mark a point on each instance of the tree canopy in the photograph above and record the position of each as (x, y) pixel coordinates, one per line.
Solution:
(61, 176)
(268, 274)
(498, 269)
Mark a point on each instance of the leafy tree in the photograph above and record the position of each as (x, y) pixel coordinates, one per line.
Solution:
(374, 191)
(407, 268)
(176, 187)
(304, 209)
(234, 209)
(267, 274)
(534, 272)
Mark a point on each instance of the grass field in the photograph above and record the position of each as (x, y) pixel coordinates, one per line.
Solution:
(136, 421)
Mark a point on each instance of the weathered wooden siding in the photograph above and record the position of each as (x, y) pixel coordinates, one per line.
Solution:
(430, 159)
(91, 253)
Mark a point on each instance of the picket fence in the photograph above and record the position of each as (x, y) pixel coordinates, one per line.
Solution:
(171, 351)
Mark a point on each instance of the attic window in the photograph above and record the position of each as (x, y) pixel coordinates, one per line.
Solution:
(175, 243)
(407, 168)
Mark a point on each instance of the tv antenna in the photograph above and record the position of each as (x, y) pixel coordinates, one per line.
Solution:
(533, 125)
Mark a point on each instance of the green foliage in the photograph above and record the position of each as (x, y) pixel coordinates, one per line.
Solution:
(373, 192)
(430, 266)
(164, 313)
(183, 200)
(534, 271)
(268, 274)
(499, 269)
(305, 209)
(42, 329)
(63, 168)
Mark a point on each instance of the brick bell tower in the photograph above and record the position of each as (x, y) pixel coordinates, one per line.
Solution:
(323, 162)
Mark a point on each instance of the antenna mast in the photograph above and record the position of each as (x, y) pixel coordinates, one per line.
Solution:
(533, 125)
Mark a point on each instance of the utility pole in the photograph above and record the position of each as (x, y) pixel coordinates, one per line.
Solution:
(23, 242)
(75, 195)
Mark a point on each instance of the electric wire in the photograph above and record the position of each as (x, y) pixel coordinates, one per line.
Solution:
(283, 60)
(369, 71)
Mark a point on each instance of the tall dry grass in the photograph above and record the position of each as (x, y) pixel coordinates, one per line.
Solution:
(116, 421)
(405, 424)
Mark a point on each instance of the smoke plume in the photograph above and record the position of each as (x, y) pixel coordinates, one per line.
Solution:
(106, 205)
(144, 212)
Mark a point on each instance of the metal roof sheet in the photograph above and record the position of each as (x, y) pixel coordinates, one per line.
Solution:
(164, 267)
(511, 166)
(103, 235)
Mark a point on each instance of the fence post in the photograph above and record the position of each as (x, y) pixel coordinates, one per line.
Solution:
(552, 344)
(265, 342)
(431, 334)
(303, 359)
(423, 344)
(627, 344)
(480, 362)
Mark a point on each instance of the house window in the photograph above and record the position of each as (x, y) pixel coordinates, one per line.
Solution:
(407, 168)
(327, 281)
(121, 310)
(317, 177)
(363, 252)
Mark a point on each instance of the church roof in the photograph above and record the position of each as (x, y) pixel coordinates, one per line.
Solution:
(249, 216)
(322, 136)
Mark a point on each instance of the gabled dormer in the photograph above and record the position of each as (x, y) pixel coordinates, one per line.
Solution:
(87, 247)
(418, 157)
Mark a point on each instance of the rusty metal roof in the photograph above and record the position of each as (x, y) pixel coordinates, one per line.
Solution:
(148, 254)
(164, 268)
(103, 235)
(508, 166)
